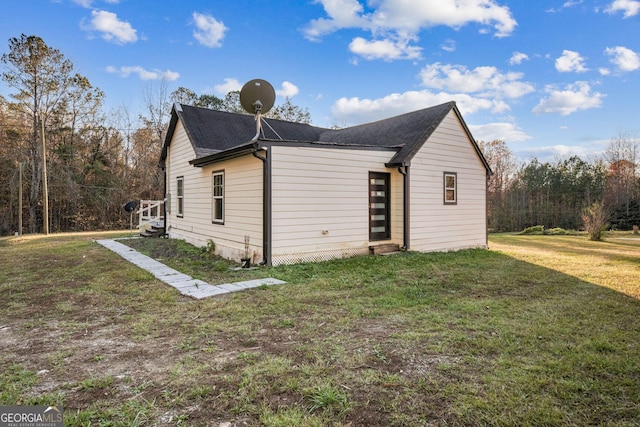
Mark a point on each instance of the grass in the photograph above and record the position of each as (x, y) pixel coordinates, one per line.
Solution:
(539, 330)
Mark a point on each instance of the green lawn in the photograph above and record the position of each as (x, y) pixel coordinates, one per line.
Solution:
(539, 330)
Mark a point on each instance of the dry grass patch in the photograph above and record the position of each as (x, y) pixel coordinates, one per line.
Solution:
(613, 263)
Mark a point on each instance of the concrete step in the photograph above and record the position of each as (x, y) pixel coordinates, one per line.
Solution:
(384, 248)
(152, 231)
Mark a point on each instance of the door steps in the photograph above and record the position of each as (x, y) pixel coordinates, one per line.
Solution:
(384, 249)
(153, 229)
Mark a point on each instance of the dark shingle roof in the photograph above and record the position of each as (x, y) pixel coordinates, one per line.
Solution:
(212, 132)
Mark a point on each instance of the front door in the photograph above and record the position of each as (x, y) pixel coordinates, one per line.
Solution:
(379, 221)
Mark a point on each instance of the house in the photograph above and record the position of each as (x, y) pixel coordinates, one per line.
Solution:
(297, 193)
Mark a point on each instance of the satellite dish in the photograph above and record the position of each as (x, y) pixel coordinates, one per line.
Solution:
(257, 96)
(130, 206)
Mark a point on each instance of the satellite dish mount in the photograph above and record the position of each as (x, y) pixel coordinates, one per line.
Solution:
(257, 97)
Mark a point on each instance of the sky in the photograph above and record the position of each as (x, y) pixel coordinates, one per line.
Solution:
(552, 78)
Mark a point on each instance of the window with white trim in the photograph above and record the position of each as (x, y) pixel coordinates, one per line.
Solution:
(180, 195)
(217, 197)
(450, 188)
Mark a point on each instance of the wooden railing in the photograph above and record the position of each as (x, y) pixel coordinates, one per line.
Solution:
(150, 212)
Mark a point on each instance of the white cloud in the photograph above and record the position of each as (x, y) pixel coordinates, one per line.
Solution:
(342, 14)
(142, 73)
(356, 110)
(230, 84)
(384, 49)
(552, 153)
(604, 71)
(517, 58)
(504, 131)
(88, 3)
(289, 90)
(565, 5)
(413, 15)
(394, 23)
(449, 45)
(485, 81)
(570, 61)
(629, 7)
(625, 59)
(209, 31)
(574, 97)
(111, 27)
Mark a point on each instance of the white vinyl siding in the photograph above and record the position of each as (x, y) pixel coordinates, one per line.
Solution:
(242, 201)
(436, 226)
(320, 198)
(321, 201)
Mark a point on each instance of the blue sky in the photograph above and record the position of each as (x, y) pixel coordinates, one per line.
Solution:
(551, 78)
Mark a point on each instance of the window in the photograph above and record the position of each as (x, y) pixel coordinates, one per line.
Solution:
(450, 188)
(217, 197)
(180, 196)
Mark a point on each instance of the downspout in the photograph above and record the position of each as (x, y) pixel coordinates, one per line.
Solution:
(164, 201)
(406, 232)
(266, 196)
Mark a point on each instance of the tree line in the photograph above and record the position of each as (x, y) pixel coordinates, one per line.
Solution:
(556, 194)
(95, 162)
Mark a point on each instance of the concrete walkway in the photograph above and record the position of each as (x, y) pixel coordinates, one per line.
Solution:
(185, 284)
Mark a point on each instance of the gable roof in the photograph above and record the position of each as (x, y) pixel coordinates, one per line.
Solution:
(215, 133)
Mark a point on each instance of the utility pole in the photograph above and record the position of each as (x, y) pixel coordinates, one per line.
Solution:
(45, 191)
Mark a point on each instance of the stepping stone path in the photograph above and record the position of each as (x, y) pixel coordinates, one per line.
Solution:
(185, 284)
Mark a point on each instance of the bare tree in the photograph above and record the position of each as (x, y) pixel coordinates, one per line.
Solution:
(156, 101)
(232, 103)
(623, 187)
(290, 112)
(147, 143)
(41, 77)
(503, 165)
(595, 220)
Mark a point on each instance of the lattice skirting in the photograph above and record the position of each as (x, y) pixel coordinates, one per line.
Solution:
(318, 256)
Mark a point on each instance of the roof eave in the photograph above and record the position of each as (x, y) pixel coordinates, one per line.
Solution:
(404, 156)
(474, 143)
(173, 122)
(240, 150)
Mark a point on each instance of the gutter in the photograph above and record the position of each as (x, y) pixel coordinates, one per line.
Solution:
(266, 201)
(406, 205)
(164, 202)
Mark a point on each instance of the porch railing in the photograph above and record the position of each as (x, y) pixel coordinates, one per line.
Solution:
(150, 212)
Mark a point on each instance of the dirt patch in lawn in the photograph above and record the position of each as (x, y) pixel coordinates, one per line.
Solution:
(109, 342)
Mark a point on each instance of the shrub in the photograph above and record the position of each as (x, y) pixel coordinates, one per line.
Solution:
(539, 230)
(595, 220)
(536, 229)
(210, 248)
(557, 232)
